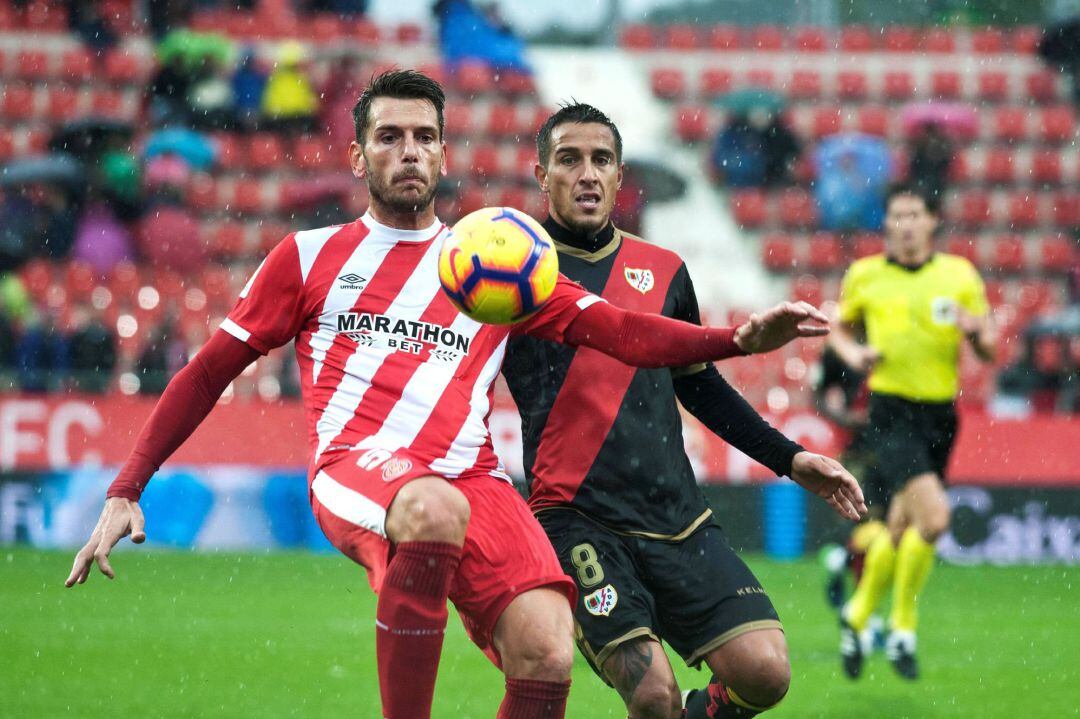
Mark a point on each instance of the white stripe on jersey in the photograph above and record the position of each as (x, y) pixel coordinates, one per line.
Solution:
(415, 296)
(474, 432)
(364, 261)
(419, 396)
(349, 504)
(309, 244)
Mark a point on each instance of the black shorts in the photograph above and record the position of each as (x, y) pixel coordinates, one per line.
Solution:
(695, 594)
(909, 439)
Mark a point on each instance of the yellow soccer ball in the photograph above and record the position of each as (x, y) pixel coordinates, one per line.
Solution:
(498, 265)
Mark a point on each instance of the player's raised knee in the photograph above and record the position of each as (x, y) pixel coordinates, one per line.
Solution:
(428, 510)
(655, 699)
(535, 636)
(772, 681)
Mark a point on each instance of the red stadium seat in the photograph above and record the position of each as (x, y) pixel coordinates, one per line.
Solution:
(749, 207)
(248, 196)
(514, 196)
(36, 140)
(77, 65)
(32, 65)
(109, 103)
(827, 121)
(797, 209)
(965, 246)
(1057, 124)
(723, 37)
(637, 37)
(974, 209)
(516, 83)
(216, 282)
(1042, 86)
(459, 119)
(899, 86)
(7, 144)
(851, 85)
(761, 77)
(1025, 39)
(1058, 253)
(46, 17)
(365, 33)
(939, 39)
(1046, 167)
(898, 38)
(825, 252)
(227, 241)
(768, 38)
(668, 83)
(17, 101)
(692, 123)
(714, 82)
(993, 86)
(987, 41)
(945, 84)
(866, 245)
(998, 166)
(503, 120)
(778, 253)
(1066, 208)
(960, 168)
(266, 151)
(873, 120)
(1010, 123)
(124, 283)
(231, 152)
(807, 288)
(805, 85)
(473, 78)
(680, 37)
(409, 33)
(856, 38)
(811, 39)
(486, 162)
(124, 68)
(1023, 210)
(203, 193)
(324, 28)
(270, 234)
(311, 153)
(1008, 254)
(63, 103)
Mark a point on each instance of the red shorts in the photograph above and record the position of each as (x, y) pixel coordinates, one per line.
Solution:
(506, 551)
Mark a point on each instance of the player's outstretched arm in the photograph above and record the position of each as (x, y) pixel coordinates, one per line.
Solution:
(828, 479)
(779, 325)
(187, 400)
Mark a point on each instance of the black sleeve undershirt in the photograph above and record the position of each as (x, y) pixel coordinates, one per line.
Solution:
(717, 405)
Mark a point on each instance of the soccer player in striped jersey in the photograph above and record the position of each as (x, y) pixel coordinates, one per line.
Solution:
(397, 386)
(610, 480)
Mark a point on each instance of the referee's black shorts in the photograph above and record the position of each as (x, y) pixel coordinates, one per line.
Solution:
(909, 439)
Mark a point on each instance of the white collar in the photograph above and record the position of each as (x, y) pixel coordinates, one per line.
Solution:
(398, 235)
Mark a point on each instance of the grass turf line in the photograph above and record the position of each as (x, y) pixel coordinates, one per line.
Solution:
(181, 634)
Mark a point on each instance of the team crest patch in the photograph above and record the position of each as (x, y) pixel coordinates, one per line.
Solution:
(394, 468)
(640, 280)
(602, 601)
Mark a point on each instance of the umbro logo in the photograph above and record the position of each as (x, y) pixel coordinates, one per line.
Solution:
(352, 281)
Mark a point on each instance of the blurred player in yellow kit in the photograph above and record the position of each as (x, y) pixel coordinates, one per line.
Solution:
(916, 308)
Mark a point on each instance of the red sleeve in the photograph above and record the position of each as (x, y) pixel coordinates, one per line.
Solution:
(567, 301)
(640, 339)
(187, 400)
(270, 311)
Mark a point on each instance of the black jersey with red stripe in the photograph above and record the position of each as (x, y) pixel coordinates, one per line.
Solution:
(599, 436)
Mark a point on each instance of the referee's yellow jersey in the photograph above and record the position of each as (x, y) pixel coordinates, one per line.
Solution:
(910, 319)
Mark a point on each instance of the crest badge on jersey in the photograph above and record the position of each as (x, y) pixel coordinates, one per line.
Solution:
(394, 468)
(640, 280)
(602, 601)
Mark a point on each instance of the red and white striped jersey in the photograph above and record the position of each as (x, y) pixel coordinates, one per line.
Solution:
(386, 361)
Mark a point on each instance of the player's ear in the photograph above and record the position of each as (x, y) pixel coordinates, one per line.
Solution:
(444, 165)
(357, 161)
(619, 176)
(540, 173)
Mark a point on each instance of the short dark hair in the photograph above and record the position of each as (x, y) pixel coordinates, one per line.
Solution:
(931, 200)
(401, 85)
(574, 112)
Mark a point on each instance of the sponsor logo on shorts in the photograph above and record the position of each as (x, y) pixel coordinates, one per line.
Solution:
(640, 280)
(394, 468)
(602, 601)
(744, 591)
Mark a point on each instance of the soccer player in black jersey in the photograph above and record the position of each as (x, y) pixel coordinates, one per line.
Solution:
(610, 481)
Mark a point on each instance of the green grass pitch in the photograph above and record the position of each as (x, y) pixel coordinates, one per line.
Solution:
(291, 635)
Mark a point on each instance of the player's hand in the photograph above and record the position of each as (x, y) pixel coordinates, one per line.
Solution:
(968, 324)
(861, 358)
(119, 518)
(779, 325)
(828, 479)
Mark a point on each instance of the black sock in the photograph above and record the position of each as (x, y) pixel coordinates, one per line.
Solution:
(713, 702)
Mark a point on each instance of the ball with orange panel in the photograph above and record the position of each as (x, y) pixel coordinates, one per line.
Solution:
(498, 265)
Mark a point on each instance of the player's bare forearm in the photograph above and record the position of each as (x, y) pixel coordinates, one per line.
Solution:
(855, 354)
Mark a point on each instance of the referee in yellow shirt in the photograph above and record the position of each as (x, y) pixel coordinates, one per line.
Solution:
(915, 308)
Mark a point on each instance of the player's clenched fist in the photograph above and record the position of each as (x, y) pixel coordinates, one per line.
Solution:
(119, 518)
